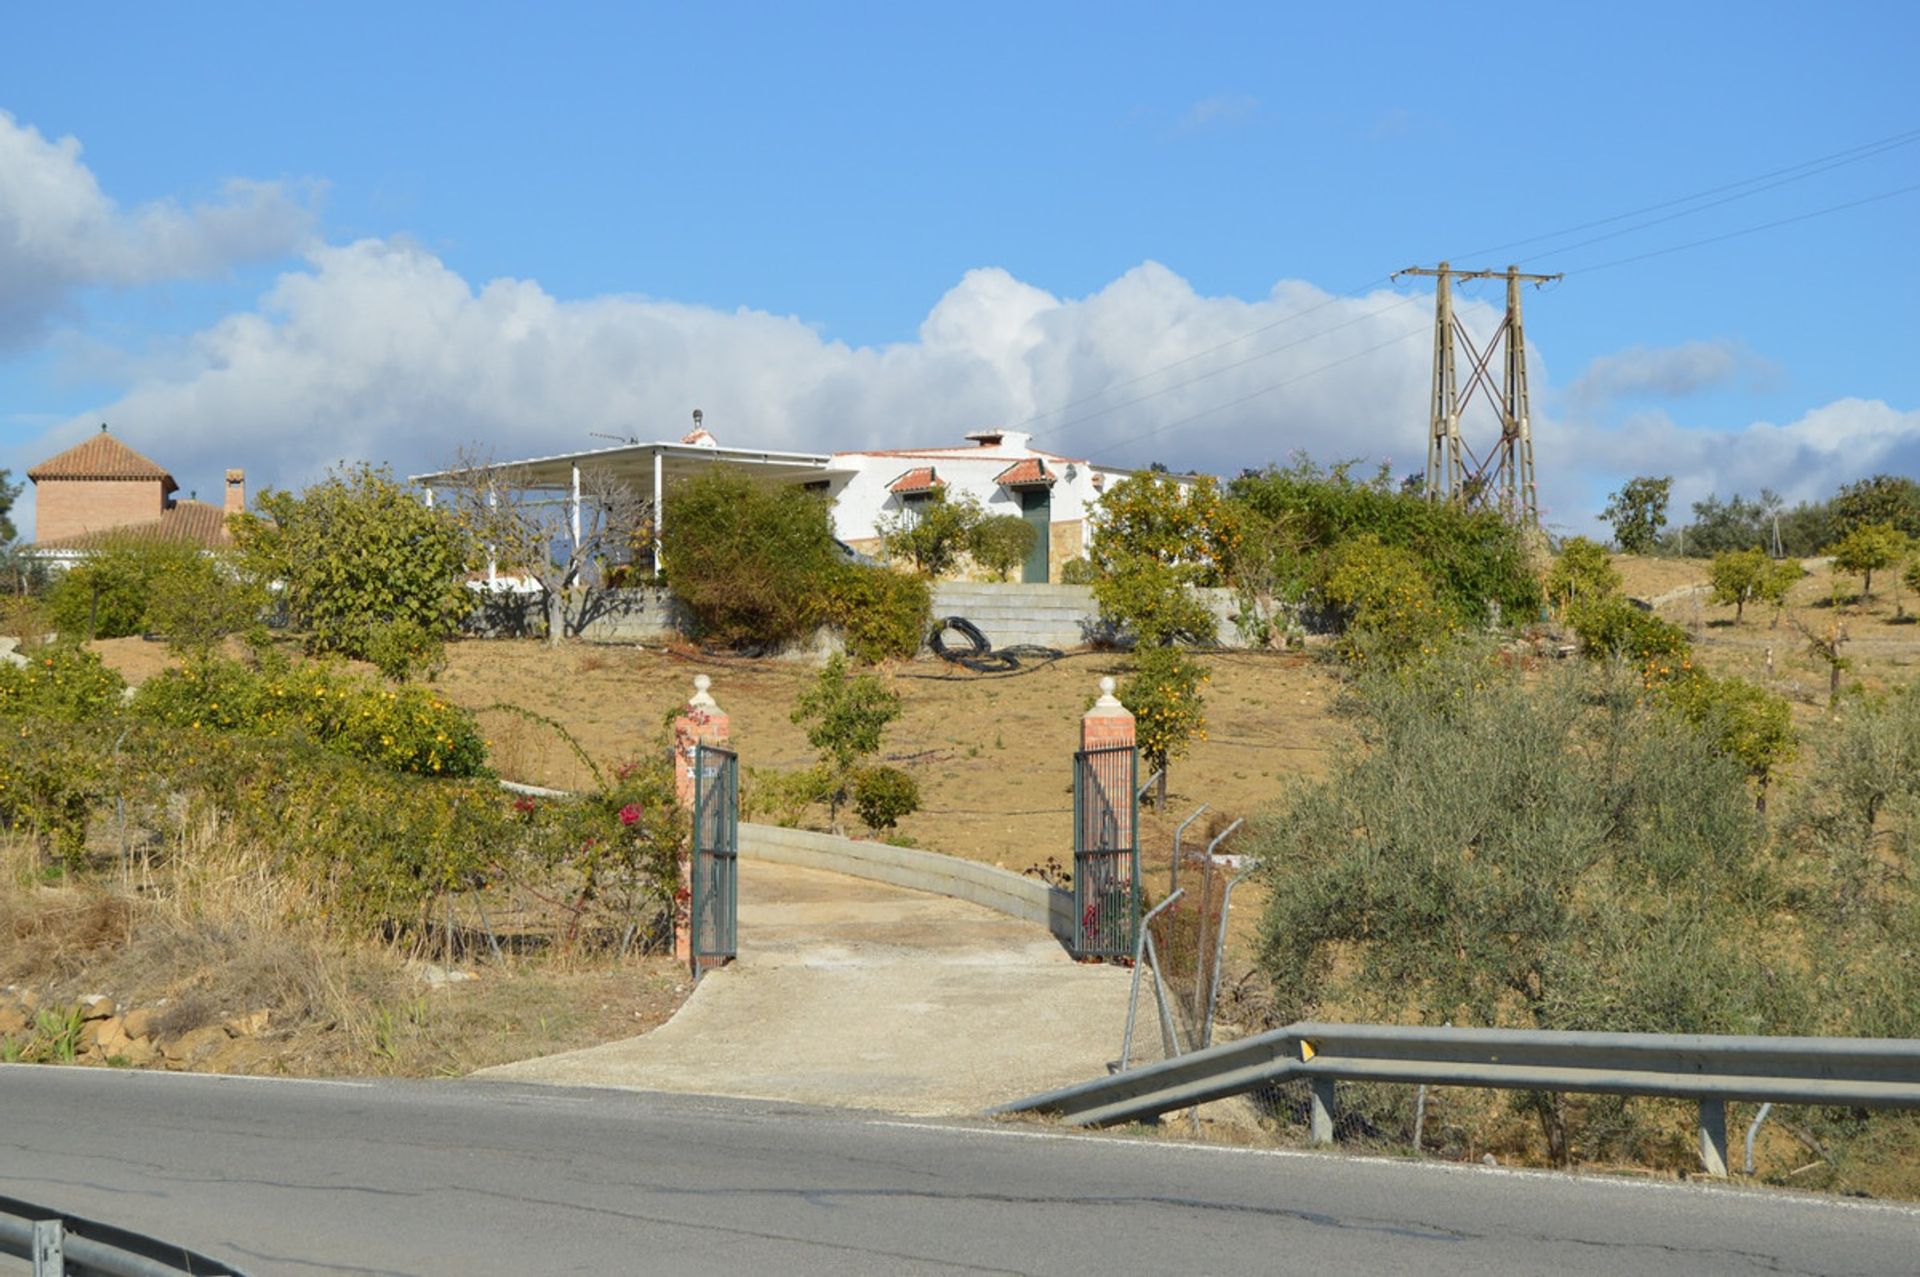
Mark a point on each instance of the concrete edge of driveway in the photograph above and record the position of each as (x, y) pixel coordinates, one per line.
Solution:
(1001, 890)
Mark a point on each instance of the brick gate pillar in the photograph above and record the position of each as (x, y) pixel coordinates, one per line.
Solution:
(1107, 724)
(699, 722)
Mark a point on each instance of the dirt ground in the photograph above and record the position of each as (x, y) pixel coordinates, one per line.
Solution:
(993, 754)
(1769, 646)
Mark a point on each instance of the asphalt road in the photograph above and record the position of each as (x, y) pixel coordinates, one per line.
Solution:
(476, 1177)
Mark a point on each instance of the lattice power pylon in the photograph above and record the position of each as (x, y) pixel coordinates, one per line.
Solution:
(1454, 471)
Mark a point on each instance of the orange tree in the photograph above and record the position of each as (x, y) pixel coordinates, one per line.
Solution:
(1163, 694)
(1189, 526)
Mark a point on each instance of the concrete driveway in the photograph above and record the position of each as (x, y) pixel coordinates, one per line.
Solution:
(852, 993)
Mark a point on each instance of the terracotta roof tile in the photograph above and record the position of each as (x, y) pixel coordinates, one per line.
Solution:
(100, 457)
(1031, 473)
(919, 479)
(191, 522)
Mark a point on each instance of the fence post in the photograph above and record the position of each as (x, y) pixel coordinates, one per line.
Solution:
(49, 1248)
(700, 722)
(1713, 1137)
(1321, 1111)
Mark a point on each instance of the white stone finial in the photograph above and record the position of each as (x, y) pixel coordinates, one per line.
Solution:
(1107, 699)
(700, 696)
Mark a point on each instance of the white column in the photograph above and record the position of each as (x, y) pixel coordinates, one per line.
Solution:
(429, 498)
(658, 514)
(573, 508)
(493, 568)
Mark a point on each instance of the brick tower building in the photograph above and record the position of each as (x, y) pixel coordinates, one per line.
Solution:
(103, 487)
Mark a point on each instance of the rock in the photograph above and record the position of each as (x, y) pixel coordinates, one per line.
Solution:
(435, 976)
(139, 1023)
(140, 1053)
(12, 1018)
(189, 1048)
(1491, 1160)
(245, 1026)
(104, 1035)
(97, 1006)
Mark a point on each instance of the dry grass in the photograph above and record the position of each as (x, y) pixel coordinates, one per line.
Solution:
(215, 938)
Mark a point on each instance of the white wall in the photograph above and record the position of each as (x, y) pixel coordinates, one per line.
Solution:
(861, 500)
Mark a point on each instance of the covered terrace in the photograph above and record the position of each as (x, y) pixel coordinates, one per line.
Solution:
(642, 466)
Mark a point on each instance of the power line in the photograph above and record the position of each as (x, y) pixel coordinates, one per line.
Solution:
(1865, 150)
(1758, 183)
(1689, 212)
(1745, 230)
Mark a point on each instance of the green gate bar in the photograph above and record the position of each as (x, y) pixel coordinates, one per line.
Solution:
(1106, 851)
(714, 908)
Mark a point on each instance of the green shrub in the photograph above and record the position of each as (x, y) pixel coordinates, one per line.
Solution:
(755, 564)
(933, 534)
(1616, 628)
(1886, 499)
(1169, 709)
(202, 601)
(884, 614)
(114, 591)
(1080, 571)
(845, 716)
(64, 683)
(1144, 597)
(883, 796)
(407, 728)
(1743, 721)
(1582, 571)
(403, 649)
(1188, 527)
(1866, 549)
(1002, 542)
(1386, 603)
(782, 797)
(358, 552)
(1637, 512)
(1586, 861)
(1474, 558)
(51, 778)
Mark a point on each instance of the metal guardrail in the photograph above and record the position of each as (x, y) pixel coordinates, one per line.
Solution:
(1862, 1072)
(69, 1246)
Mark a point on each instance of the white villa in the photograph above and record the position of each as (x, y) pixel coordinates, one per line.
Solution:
(999, 468)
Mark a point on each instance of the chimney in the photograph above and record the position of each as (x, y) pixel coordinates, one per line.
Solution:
(236, 491)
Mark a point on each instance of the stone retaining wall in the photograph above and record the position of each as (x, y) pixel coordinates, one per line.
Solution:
(1059, 616)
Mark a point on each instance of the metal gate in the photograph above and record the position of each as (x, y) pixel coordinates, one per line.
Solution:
(1106, 851)
(715, 901)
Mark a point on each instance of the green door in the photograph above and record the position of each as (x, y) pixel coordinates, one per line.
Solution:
(1036, 507)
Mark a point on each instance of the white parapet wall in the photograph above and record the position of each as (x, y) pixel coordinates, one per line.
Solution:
(1013, 894)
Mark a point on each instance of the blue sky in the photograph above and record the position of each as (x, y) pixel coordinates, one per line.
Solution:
(883, 225)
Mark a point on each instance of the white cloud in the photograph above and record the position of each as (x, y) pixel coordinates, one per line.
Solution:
(60, 232)
(1217, 111)
(1806, 459)
(378, 350)
(1666, 371)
